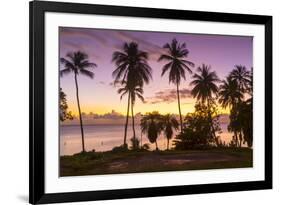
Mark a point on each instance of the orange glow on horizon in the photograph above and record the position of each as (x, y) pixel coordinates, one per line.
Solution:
(162, 108)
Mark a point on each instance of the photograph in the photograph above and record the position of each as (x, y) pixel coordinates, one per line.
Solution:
(150, 101)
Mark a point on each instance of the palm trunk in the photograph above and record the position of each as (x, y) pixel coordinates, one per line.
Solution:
(127, 118)
(156, 145)
(141, 140)
(79, 110)
(133, 120)
(168, 143)
(211, 120)
(178, 93)
(236, 139)
(240, 139)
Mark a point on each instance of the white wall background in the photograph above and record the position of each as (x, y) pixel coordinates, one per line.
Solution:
(14, 100)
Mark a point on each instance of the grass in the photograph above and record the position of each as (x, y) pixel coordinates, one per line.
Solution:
(97, 163)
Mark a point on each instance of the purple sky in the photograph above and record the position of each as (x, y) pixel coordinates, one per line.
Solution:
(99, 96)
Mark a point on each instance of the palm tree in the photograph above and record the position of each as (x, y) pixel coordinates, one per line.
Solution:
(152, 126)
(177, 65)
(204, 84)
(205, 87)
(77, 63)
(229, 93)
(242, 76)
(131, 68)
(133, 91)
(229, 96)
(169, 123)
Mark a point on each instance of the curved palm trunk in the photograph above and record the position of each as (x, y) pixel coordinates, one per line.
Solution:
(133, 124)
(178, 93)
(127, 118)
(168, 140)
(79, 110)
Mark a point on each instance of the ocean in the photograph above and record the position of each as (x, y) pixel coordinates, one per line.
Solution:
(105, 137)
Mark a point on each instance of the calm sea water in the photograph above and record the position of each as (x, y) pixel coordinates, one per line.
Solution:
(105, 137)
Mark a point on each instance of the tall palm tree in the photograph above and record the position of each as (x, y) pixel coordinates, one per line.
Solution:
(229, 93)
(169, 123)
(242, 76)
(205, 87)
(177, 65)
(133, 91)
(152, 126)
(77, 63)
(131, 68)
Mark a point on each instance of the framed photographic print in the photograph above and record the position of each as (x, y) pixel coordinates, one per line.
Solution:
(140, 102)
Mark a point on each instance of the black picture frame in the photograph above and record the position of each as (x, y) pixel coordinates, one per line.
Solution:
(37, 102)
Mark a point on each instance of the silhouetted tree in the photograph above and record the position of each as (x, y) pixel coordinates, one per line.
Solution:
(242, 76)
(77, 63)
(197, 132)
(205, 88)
(131, 68)
(177, 65)
(64, 113)
(169, 124)
(133, 91)
(232, 94)
(152, 126)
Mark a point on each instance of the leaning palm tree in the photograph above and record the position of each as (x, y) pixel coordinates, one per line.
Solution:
(177, 65)
(169, 124)
(242, 76)
(152, 126)
(205, 88)
(133, 91)
(77, 63)
(131, 67)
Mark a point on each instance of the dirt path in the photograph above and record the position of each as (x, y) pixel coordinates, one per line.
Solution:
(132, 162)
(173, 160)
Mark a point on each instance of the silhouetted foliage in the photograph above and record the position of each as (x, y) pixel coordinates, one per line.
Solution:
(135, 143)
(197, 132)
(145, 146)
(121, 148)
(64, 113)
(169, 124)
(232, 94)
(151, 125)
(205, 90)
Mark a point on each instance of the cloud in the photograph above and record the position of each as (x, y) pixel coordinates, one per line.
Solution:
(83, 33)
(87, 39)
(168, 96)
(117, 84)
(154, 50)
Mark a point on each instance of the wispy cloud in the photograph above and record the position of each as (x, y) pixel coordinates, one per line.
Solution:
(168, 96)
(90, 34)
(154, 50)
